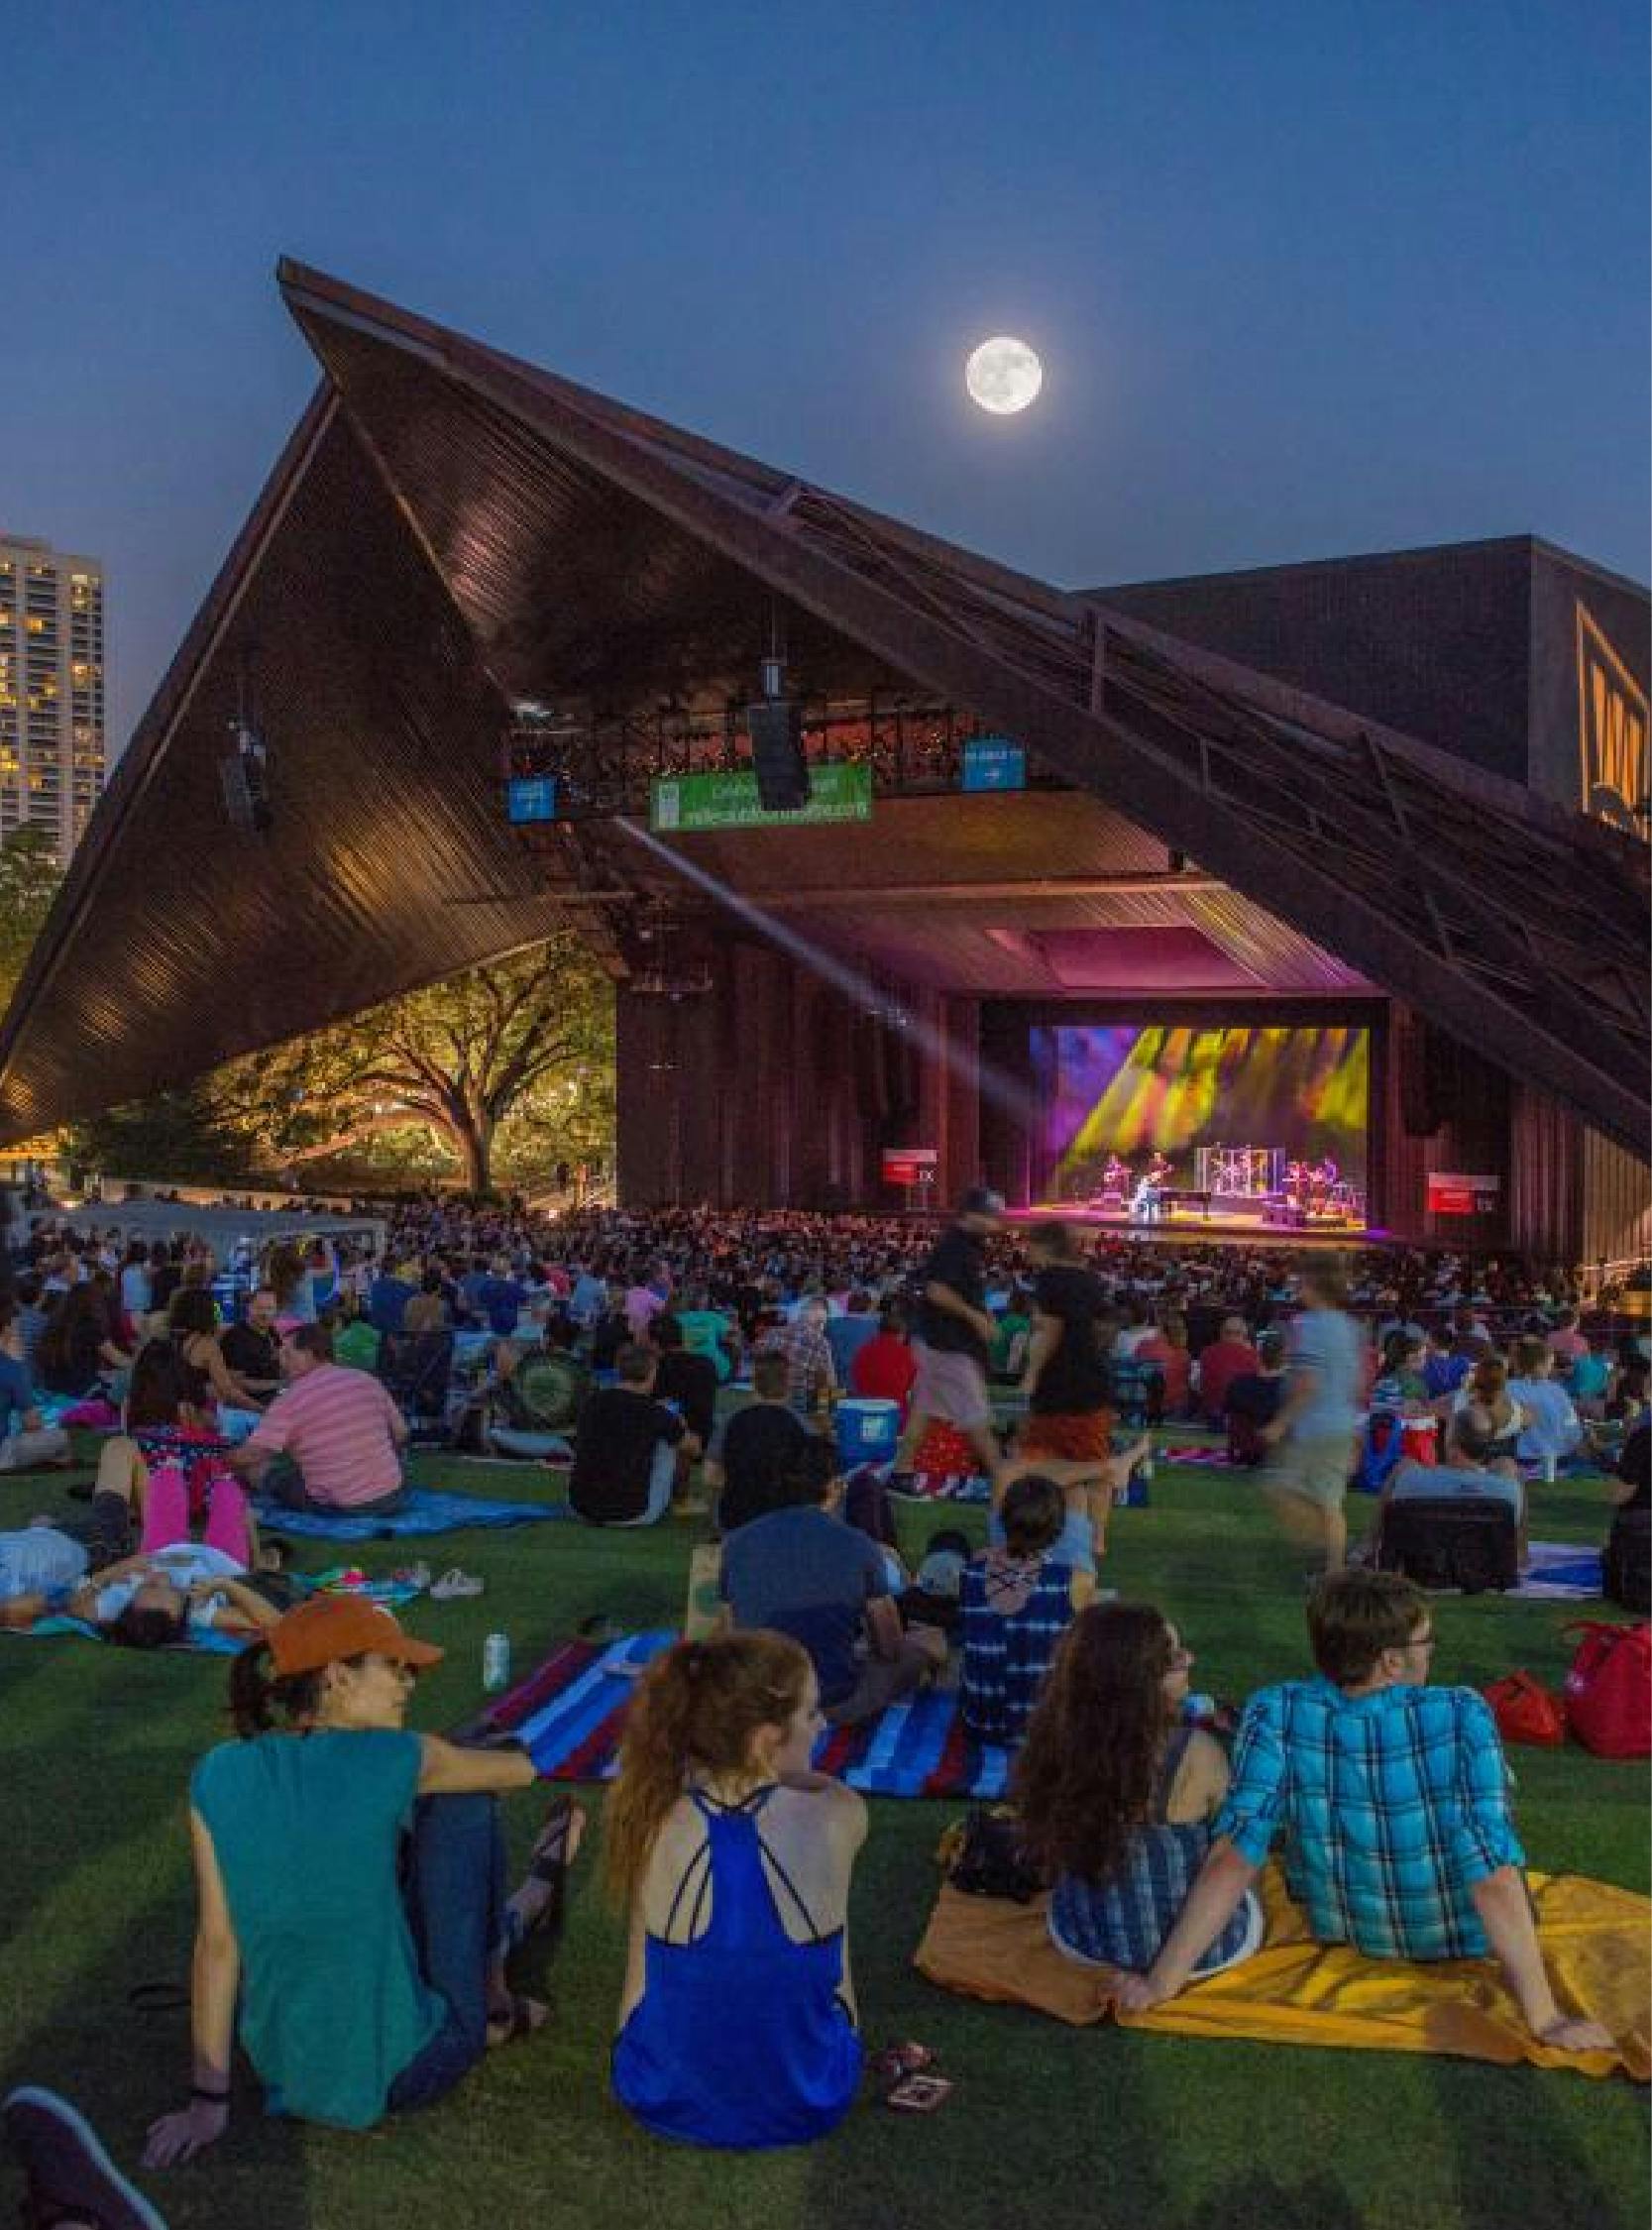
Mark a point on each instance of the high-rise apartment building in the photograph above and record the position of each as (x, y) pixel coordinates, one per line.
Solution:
(51, 750)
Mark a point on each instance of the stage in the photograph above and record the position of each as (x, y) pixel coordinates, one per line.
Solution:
(1223, 1228)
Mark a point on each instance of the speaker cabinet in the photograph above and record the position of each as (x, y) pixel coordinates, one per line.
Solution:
(774, 727)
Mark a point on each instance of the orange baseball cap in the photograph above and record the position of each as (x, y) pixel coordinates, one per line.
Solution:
(329, 1627)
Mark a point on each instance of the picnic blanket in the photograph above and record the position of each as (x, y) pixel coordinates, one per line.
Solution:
(1212, 1456)
(204, 1641)
(427, 1510)
(1298, 1991)
(940, 1487)
(1560, 1572)
(570, 1713)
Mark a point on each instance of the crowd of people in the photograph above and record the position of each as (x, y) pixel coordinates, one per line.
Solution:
(615, 1335)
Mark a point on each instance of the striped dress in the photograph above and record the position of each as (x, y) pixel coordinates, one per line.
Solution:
(1015, 1611)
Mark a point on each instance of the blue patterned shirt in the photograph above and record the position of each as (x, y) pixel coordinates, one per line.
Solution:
(1391, 1806)
(1006, 1651)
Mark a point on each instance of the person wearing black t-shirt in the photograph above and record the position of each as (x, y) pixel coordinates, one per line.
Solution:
(691, 1381)
(954, 1335)
(1065, 1379)
(753, 1453)
(626, 1448)
(253, 1349)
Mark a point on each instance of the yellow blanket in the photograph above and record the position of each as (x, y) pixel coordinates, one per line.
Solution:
(1296, 1991)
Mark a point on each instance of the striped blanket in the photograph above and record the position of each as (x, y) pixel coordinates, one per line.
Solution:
(940, 1487)
(569, 1714)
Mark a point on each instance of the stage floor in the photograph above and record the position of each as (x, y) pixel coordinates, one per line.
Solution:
(1222, 1227)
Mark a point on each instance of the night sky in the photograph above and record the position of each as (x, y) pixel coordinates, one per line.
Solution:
(1308, 278)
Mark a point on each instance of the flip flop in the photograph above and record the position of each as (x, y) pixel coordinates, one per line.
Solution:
(553, 1852)
(65, 2169)
(455, 1586)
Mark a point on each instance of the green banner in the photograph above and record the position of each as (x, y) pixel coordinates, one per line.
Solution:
(839, 790)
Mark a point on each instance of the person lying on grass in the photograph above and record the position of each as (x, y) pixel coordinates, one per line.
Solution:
(1391, 1797)
(153, 1601)
(351, 1886)
(737, 2023)
(1116, 1793)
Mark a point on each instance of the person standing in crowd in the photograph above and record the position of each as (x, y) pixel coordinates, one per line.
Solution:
(954, 1336)
(1065, 1379)
(1311, 1440)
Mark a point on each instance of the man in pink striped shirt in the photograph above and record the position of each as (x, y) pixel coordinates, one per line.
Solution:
(339, 1430)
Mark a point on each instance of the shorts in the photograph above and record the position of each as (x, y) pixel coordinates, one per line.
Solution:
(950, 1386)
(1317, 1469)
(1081, 1438)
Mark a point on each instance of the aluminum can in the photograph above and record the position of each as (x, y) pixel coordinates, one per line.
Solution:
(496, 1663)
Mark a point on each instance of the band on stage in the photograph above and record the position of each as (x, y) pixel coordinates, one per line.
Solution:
(1259, 1178)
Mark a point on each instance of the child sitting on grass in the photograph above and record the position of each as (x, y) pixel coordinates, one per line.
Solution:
(1017, 1600)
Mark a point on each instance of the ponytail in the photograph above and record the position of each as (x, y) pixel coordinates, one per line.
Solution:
(257, 1694)
(696, 1708)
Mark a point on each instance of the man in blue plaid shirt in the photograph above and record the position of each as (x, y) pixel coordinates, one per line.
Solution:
(1391, 1802)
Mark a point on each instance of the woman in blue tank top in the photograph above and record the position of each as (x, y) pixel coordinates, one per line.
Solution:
(737, 2022)
(1117, 1793)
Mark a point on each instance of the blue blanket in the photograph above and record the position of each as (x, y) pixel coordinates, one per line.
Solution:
(207, 1640)
(427, 1510)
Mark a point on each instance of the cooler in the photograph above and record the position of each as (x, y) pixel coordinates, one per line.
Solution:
(868, 1432)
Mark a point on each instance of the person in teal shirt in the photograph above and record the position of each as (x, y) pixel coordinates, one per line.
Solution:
(351, 1885)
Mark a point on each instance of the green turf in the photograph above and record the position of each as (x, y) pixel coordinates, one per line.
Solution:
(1047, 2127)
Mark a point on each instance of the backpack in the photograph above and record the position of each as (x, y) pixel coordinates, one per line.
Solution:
(1381, 1450)
(1608, 1690)
(1461, 1542)
(1626, 1566)
(543, 1394)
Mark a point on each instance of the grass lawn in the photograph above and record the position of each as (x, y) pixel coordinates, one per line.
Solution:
(1049, 2127)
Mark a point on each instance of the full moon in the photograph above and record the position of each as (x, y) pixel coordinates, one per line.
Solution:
(1003, 375)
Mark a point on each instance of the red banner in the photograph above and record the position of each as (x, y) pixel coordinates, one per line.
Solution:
(1450, 1194)
(910, 1164)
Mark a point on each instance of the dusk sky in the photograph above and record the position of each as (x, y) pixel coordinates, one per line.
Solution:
(1307, 279)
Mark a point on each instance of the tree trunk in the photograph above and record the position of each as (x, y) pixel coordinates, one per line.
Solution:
(474, 1137)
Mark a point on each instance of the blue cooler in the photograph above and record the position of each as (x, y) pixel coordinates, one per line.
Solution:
(868, 1432)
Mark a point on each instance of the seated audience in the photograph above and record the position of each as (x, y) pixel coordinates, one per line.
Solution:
(690, 1381)
(1018, 1600)
(1391, 1799)
(802, 1571)
(1552, 1431)
(1166, 1350)
(630, 1453)
(849, 1332)
(754, 1449)
(169, 1445)
(1254, 1399)
(251, 1349)
(26, 1439)
(810, 1373)
(79, 1351)
(369, 1982)
(333, 1439)
(1117, 1793)
(885, 1369)
(537, 1396)
(709, 1331)
(1229, 1357)
(192, 1326)
(737, 2025)
(1403, 1379)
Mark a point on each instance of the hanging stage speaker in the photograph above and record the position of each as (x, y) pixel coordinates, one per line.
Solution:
(775, 726)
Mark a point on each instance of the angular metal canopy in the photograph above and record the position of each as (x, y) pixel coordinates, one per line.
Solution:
(451, 530)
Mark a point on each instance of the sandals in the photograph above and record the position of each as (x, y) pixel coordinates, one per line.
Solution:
(455, 1586)
(526, 2016)
(66, 2173)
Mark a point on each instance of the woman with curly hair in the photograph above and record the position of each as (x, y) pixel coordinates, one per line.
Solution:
(1116, 1795)
(737, 2025)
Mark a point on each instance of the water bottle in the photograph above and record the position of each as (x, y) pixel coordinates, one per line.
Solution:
(496, 1663)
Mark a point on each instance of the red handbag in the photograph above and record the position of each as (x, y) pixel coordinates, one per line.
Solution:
(1526, 1712)
(1608, 1690)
